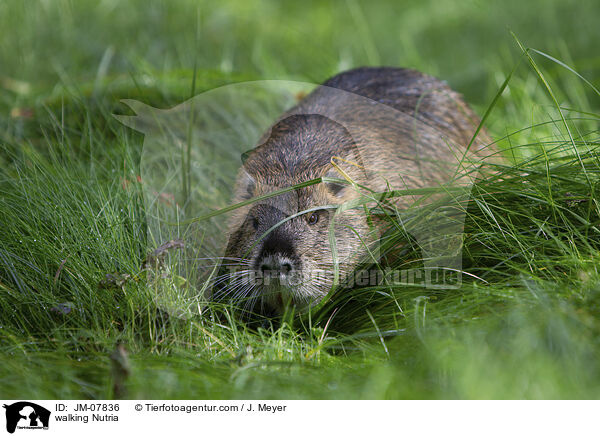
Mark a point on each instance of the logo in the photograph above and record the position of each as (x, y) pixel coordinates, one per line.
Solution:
(26, 415)
(194, 152)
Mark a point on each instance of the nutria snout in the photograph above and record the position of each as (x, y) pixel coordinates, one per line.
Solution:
(372, 130)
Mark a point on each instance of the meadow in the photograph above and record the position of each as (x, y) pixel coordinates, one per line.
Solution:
(82, 316)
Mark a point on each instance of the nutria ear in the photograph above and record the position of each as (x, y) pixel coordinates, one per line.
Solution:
(350, 168)
(246, 183)
(336, 189)
(245, 155)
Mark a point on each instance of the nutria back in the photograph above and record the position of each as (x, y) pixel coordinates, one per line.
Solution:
(374, 129)
(428, 100)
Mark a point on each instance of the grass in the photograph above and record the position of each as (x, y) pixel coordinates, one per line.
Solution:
(526, 324)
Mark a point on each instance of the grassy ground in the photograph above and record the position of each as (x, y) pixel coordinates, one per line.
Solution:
(528, 325)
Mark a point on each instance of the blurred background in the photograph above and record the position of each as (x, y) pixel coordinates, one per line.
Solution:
(468, 43)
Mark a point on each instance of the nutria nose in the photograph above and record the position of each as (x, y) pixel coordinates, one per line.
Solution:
(276, 265)
(277, 257)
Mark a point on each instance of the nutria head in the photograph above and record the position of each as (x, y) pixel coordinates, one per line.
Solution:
(279, 250)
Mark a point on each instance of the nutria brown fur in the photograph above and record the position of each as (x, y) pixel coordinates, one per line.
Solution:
(384, 128)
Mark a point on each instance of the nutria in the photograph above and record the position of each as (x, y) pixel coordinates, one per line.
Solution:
(378, 129)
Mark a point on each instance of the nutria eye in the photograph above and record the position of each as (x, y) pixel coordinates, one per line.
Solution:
(255, 223)
(313, 218)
